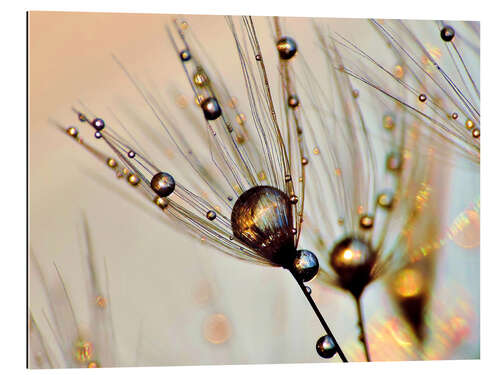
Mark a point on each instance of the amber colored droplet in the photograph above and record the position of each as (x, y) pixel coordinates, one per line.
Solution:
(355, 93)
(133, 179)
(408, 283)
(454, 115)
(240, 119)
(305, 161)
(261, 176)
(93, 364)
(262, 219)
(161, 202)
(316, 151)
(111, 163)
(476, 133)
(366, 222)
(217, 329)
(385, 200)
(72, 131)
(240, 138)
(388, 122)
(293, 101)
(101, 301)
(200, 78)
(469, 124)
(399, 72)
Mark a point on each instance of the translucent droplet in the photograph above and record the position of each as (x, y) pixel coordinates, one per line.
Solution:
(217, 329)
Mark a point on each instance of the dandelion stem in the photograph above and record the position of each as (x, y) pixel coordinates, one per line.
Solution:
(320, 317)
(361, 325)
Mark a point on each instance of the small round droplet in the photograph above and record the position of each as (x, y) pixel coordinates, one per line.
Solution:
(82, 117)
(163, 184)
(293, 101)
(93, 364)
(355, 93)
(211, 108)
(161, 202)
(72, 131)
(305, 161)
(308, 290)
(422, 98)
(111, 163)
(399, 71)
(287, 48)
(98, 135)
(454, 115)
(217, 329)
(211, 215)
(388, 121)
(131, 154)
(385, 200)
(305, 265)
(469, 124)
(98, 124)
(366, 222)
(394, 162)
(133, 179)
(185, 55)
(101, 302)
(200, 79)
(258, 57)
(288, 178)
(447, 33)
(325, 347)
(294, 199)
(476, 133)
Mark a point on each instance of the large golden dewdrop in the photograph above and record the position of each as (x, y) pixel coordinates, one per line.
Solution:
(353, 261)
(262, 219)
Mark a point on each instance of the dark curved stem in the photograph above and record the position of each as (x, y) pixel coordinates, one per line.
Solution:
(320, 317)
(361, 324)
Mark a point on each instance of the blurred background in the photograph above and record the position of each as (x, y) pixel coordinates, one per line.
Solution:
(174, 301)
